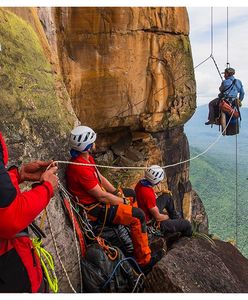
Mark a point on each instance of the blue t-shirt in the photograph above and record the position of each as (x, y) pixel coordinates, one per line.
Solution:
(229, 90)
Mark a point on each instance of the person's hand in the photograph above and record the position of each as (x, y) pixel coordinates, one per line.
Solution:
(51, 176)
(32, 171)
(126, 200)
(165, 217)
(239, 103)
(118, 192)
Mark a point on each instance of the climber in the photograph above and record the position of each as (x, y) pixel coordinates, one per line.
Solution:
(154, 206)
(98, 196)
(20, 269)
(231, 90)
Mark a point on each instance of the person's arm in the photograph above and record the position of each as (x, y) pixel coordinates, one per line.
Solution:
(157, 215)
(222, 86)
(241, 92)
(106, 184)
(26, 206)
(105, 197)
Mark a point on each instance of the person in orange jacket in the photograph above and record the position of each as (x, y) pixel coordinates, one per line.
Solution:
(99, 196)
(20, 269)
(153, 206)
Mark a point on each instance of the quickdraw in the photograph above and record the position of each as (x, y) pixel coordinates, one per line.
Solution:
(111, 252)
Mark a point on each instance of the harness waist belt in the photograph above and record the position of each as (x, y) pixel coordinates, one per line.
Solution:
(22, 233)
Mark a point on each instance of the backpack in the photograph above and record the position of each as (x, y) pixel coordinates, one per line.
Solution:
(102, 275)
(227, 108)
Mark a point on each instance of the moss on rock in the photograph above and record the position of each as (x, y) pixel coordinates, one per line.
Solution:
(30, 105)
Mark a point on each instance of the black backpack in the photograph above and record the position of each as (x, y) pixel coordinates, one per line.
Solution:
(102, 275)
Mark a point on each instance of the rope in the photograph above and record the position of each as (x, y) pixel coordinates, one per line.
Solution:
(137, 282)
(145, 168)
(57, 253)
(77, 248)
(44, 255)
(215, 63)
(110, 251)
(236, 189)
(212, 32)
(227, 38)
(117, 265)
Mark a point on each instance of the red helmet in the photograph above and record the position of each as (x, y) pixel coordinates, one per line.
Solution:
(3, 150)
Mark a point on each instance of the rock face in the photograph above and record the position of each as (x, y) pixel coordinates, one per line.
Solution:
(195, 266)
(36, 117)
(131, 65)
(126, 72)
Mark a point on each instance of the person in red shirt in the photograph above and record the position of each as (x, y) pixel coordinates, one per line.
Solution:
(20, 269)
(100, 198)
(154, 206)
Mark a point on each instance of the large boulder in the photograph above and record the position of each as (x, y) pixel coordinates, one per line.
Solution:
(198, 266)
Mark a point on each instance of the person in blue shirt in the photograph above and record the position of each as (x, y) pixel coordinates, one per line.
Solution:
(230, 90)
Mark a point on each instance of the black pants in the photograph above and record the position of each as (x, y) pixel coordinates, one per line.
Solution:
(13, 275)
(175, 223)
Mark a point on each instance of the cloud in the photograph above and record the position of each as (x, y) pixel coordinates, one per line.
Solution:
(207, 77)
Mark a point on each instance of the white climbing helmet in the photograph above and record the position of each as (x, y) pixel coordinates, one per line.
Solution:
(81, 137)
(154, 174)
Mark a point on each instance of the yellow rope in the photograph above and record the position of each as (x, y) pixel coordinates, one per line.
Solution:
(47, 263)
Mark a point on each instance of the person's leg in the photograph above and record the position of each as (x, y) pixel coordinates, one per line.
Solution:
(165, 201)
(135, 218)
(178, 225)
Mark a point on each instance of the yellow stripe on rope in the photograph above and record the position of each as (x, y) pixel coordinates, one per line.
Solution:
(47, 263)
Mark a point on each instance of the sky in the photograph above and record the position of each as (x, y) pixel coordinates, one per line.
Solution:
(207, 77)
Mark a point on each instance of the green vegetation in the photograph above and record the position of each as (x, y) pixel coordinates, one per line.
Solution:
(26, 77)
(214, 178)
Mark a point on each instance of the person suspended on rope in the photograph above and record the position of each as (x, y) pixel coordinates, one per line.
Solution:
(161, 208)
(100, 198)
(231, 89)
(20, 269)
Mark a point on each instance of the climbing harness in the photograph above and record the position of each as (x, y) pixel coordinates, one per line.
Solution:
(47, 263)
(111, 252)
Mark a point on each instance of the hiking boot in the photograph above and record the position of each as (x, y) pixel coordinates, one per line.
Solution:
(209, 123)
(154, 259)
(171, 238)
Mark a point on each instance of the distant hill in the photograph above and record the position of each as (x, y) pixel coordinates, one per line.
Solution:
(201, 135)
(213, 176)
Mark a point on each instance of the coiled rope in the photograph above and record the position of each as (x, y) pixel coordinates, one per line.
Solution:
(47, 263)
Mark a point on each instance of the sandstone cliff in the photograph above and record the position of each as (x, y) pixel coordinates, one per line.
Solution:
(127, 72)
